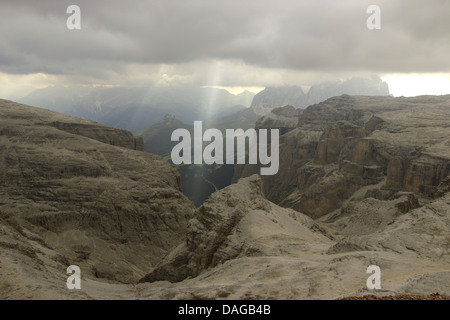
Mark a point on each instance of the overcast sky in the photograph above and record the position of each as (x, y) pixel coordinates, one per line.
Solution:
(245, 43)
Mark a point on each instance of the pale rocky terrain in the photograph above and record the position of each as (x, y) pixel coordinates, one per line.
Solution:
(71, 198)
(379, 146)
(84, 191)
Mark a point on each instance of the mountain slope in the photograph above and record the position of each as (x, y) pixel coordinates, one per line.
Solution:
(157, 138)
(86, 193)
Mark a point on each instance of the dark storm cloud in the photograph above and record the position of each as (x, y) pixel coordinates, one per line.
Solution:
(323, 36)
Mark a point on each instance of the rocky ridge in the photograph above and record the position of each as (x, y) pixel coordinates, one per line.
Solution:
(382, 145)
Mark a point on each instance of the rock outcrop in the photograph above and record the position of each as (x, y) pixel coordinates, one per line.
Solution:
(80, 127)
(372, 86)
(237, 221)
(350, 142)
(112, 136)
(87, 193)
(283, 119)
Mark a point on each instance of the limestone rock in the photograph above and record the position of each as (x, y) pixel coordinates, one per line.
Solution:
(87, 193)
(283, 119)
(235, 222)
(355, 142)
(115, 137)
(422, 233)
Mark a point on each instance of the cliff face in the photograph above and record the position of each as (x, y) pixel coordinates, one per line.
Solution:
(350, 142)
(80, 127)
(283, 118)
(114, 137)
(85, 191)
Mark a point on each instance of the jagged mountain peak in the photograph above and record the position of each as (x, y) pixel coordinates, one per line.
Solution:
(274, 97)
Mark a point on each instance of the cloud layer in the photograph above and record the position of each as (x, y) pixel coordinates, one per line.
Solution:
(222, 42)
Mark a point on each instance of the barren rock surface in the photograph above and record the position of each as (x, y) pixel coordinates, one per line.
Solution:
(351, 142)
(113, 210)
(119, 214)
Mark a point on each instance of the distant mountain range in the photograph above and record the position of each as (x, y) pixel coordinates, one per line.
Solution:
(275, 97)
(136, 108)
(157, 137)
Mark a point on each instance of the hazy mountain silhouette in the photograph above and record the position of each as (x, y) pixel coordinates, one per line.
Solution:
(275, 97)
(136, 108)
